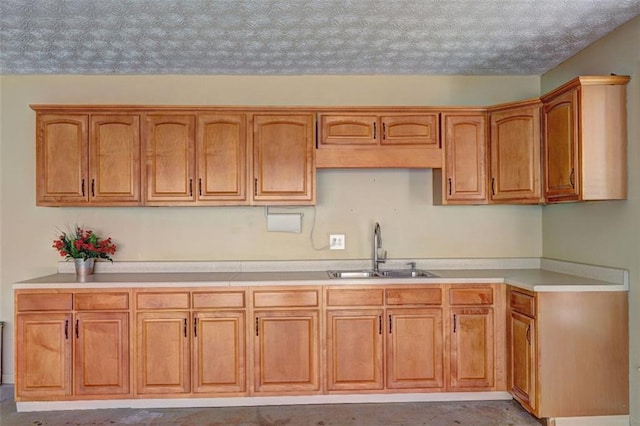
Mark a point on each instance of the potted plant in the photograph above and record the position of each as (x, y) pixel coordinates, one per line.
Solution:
(84, 247)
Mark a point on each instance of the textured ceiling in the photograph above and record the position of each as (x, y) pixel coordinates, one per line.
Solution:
(300, 36)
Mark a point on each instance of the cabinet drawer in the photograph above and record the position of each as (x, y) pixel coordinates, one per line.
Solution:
(471, 296)
(522, 303)
(101, 301)
(355, 297)
(286, 298)
(163, 300)
(44, 302)
(414, 296)
(218, 299)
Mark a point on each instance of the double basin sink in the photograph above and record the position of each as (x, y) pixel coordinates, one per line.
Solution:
(392, 273)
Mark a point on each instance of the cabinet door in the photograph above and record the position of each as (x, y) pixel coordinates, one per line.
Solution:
(348, 129)
(286, 351)
(163, 355)
(170, 142)
(114, 158)
(61, 159)
(43, 355)
(522, 359)
(222, 158)
(414, 348)
(515, 155)
(472, 352)
(355, 349)
(283, 159)
(101, 353)
(465, 161)
(561, 147)
(403, 129)
(219, 360)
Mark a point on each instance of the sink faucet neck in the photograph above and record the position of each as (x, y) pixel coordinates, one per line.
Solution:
(379, 256)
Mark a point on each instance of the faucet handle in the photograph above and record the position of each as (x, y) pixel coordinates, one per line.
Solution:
(382, 255)
(413, 265)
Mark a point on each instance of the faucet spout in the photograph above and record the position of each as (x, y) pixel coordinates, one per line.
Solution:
(378, 257)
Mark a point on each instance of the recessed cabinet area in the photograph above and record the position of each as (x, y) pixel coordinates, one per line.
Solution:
(568, 145)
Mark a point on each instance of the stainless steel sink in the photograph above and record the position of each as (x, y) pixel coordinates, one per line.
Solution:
(392, 273)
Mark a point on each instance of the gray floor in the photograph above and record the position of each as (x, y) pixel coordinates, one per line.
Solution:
(489, 413)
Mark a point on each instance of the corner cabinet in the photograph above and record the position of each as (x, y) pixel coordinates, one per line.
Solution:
(585, 140)
(87, 159)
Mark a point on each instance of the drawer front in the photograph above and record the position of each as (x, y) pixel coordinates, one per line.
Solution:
(522, 303)
(414, 296)
(355, 297)
(286, 298)
(101, 301)
(163, 300)
(218, 299)
(44, 302)
(471, 296)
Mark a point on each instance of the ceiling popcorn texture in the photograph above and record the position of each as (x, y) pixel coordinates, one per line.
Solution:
(277, 37)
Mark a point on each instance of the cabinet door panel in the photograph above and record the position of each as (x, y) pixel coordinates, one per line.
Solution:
(170, 143)
(465, 158)
(283, 166)
(415, 348)
(522, 359)
(354, 349)
(114, 158)
(348, 130)
(222, 158)
(62, 159)
(101, 353)
(43, 355)
(219, 360)
(287, 351)
(472, 352)
(163, 355)
(410, 130)
(561, 147)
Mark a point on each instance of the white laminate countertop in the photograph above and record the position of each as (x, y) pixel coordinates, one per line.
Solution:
(539, 275)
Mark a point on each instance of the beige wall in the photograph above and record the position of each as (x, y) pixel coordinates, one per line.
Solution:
(349, 201)
(606, 233)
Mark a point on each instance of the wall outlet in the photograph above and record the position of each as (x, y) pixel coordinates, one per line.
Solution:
(336, 241)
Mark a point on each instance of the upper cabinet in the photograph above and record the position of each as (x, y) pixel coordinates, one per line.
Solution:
(585, 140)
(463, 178)
(378, 138)
(85, 159)
(515, 153)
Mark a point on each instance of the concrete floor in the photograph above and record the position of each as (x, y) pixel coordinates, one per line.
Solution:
(481, 413)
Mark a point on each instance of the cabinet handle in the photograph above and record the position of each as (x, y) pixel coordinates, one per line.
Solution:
(83, 187)
(185, 327)
(455, 320)
(77, 327)
(191, 187)
(529, 334)
(374, 130)
(450, 186)
(255, 186)
(572, 178)
(390, 324)
(384, 131)
(200, 186)
(93, 187)
(195, 327)
(257, 326)
(493, 186)
(66, 329)
(379, 324)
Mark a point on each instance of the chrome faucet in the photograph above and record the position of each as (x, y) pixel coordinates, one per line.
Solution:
(378, 257)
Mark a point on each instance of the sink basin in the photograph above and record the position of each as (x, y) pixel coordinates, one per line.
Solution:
(392, 273)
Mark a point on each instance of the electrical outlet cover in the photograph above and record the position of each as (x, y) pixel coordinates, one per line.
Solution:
(336, 241)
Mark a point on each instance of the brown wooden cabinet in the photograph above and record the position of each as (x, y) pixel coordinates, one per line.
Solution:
(471, 338)
(286, 343)
(283, 159)
(87, 159)
(515, 153)
(72, 345)
(463, 177)
(522, 349)
(585, 140)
